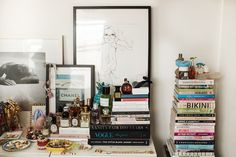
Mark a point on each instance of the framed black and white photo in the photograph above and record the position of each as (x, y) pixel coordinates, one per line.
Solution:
(52, 46)
(67, 82)
(22, 78)
(116, 39)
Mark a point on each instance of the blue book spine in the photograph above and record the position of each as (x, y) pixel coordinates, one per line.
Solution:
(195, 147)
(195, 96)
(134, 96)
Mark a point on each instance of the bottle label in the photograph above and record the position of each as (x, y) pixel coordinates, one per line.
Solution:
(74, 122)
(53, 128)
(117, 95)
(104, 102)
(64, 123)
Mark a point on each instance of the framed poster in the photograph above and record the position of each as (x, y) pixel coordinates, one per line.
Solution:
(116, 39)
(22, 78)
(67, 82)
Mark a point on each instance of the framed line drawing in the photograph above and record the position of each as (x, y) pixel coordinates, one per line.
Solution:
(68, 82)
(116, 39)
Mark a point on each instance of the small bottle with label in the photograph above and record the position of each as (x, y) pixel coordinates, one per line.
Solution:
(117, 93)
(95, 114)
(126, 87)
(54, 127)
(84, 117)
(105, 106)
(65, 117)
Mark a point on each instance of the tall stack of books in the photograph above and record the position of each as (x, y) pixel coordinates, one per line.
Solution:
(130, 121)
(192, 126)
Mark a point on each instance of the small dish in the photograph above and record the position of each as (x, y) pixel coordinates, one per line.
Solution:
(59, 145)
(14, 135)
(16, 145)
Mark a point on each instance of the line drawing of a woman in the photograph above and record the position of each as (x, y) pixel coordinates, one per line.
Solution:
(113, 40)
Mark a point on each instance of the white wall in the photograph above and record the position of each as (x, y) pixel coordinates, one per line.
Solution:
(226, 126)
(192, 27)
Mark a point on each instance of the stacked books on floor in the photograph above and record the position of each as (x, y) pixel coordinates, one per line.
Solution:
(192, 126)
(130, 121)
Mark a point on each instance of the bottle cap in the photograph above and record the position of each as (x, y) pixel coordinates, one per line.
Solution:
(106, 90)
(95, 106)
(66, 108)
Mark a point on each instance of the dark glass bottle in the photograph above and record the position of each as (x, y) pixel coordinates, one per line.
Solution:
(105, 105)
(95, 114)
(54, 127)
(192, 71)
(65, 117)
(117, 93)
(126, 87)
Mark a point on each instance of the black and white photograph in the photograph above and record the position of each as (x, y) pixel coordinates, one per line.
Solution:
(22, 78)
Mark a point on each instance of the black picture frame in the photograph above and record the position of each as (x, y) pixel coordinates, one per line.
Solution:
(55, 86)
(131, 8)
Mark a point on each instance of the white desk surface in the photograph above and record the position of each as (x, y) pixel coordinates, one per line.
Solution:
(95, 151)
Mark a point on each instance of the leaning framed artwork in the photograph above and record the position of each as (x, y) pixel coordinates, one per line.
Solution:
(67, 82)
(116, 39)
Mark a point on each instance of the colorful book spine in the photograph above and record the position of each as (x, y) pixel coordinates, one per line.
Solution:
(132, 127)
(193, 138)
(194, 96)
(195, 142)
(120, 134)
(129, 142)
(194, 133)
(194, 147)
(194, 82)
(134, 99)
(194, 91)
(123, 96)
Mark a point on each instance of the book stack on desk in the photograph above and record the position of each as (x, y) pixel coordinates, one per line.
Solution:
(192, 126)
(130, 121)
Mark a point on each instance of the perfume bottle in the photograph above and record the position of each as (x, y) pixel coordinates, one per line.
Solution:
(192, 71)
(95, 114)
(117, 93)
(54, 126)
(85, 117)
(105, 106)
(74, 114)
(65, 117)
(126, 87)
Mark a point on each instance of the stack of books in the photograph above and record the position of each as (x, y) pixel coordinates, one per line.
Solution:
(192, 126)
(130, 121)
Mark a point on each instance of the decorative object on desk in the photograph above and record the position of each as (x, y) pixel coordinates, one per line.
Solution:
(105, 105)
(3, 140)
(117, 93)
(42, 141)
(85, 117)
(192, 71)
(95, 114)
(22, 77)
(32, 134)
(99, 87)
(16, 145)
(14, 135)
(3, 121)
(38, 116)
(65, 117)
(126, 87)
(119, 39)
(72, 81)
(12, 110)
(59, 145)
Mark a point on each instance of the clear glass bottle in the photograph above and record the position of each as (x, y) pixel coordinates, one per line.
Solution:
(117, 93)
(126, 87)
(84, 117)
(95, 114)
(105, 106)
(65, 117)
(192, 71)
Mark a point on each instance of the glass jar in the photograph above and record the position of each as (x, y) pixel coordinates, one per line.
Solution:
(126, 87)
